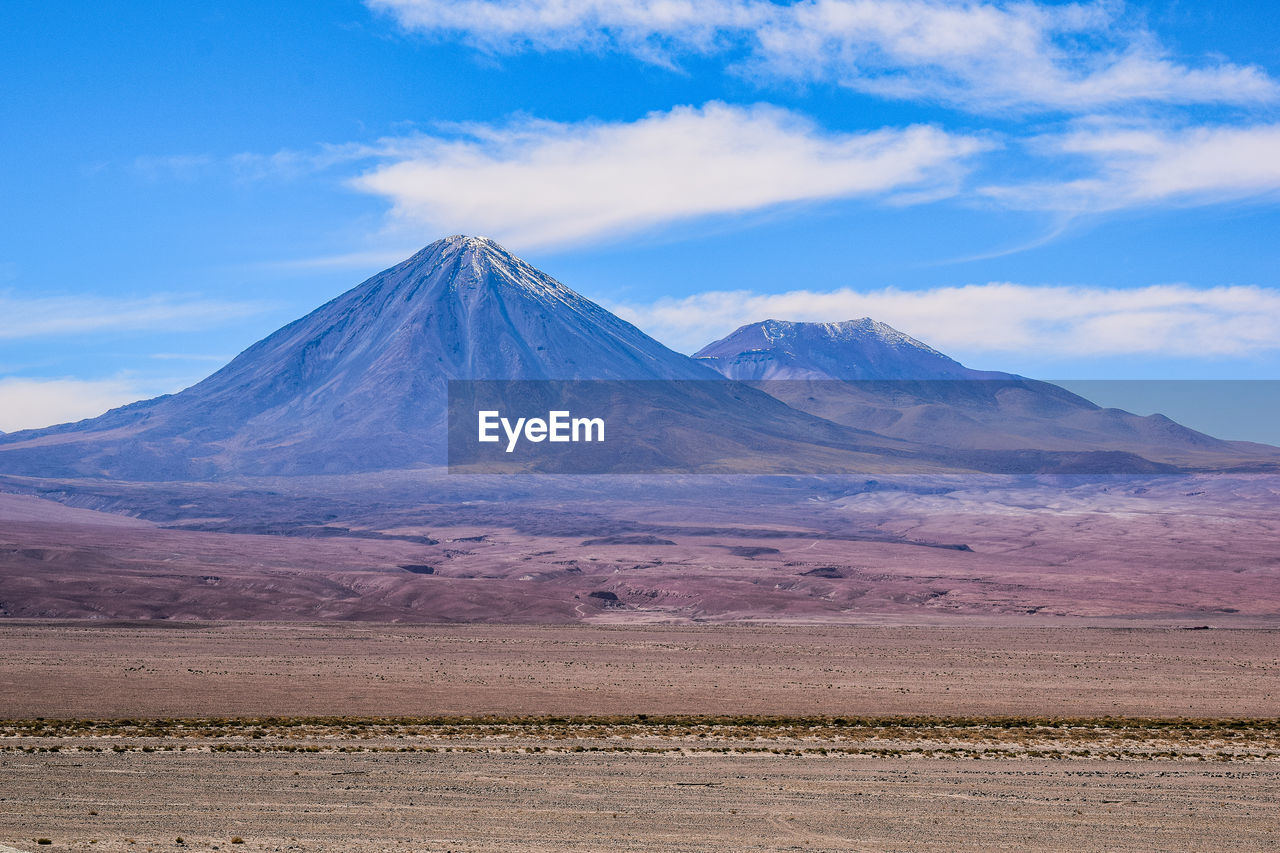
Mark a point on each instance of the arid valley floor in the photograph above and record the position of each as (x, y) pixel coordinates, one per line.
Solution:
(729, 737)
(1047, 665)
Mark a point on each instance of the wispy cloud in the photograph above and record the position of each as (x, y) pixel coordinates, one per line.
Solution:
(978, 55)
(1143, 165)
(42, 316)
(533, 182)
(190, 356)
(538, 182)
(361, 260)
(285, 164)
(1048, 321)
(33, 403)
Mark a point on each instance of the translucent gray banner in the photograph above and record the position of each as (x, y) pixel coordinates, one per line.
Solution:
(879, 427)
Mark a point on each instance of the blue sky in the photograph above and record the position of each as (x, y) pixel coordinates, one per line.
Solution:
(1084, 191)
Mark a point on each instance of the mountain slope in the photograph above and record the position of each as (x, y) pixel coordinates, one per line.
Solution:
(868, 375)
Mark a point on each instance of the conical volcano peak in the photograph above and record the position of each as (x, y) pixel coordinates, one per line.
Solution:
(361, 383)
(468, 265)
(472, 247)
(468, 240)
(462, 242)
(478, 252)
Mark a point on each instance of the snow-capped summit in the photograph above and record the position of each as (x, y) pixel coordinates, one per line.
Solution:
(854, 349)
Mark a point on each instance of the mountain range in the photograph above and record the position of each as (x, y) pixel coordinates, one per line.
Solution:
(868, 375)
(361, 384)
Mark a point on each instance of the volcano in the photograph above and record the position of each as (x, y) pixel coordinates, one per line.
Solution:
(360, 383)
(868, 375)
(853, 350)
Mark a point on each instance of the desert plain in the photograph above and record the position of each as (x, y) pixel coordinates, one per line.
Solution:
(1058, 665)
(306, 736)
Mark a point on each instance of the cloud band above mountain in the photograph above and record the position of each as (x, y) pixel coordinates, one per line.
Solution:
(540, 182)
(1134, 166)
(1163, 320)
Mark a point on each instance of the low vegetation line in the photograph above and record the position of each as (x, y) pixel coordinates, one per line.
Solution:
(161, 727)
(1065, 738)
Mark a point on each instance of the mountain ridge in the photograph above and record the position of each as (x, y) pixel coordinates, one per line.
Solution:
(867, 375)
(361, 384)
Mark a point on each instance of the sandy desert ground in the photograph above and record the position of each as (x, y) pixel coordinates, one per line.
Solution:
(495, 802)
(497, 738)
(89, 670)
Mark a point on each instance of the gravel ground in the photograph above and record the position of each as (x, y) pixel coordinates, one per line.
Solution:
(86, 669)
(964, 777)
(486, 801)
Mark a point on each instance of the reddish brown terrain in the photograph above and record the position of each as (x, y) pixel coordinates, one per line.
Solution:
(1185, 550)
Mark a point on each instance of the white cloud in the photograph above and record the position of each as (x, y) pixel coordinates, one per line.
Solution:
(1044, 321)
(34, 403)
(31, 317)
(979, 55)
(537, 182)
(190, 356)
(371, 259)
(1135, 166)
